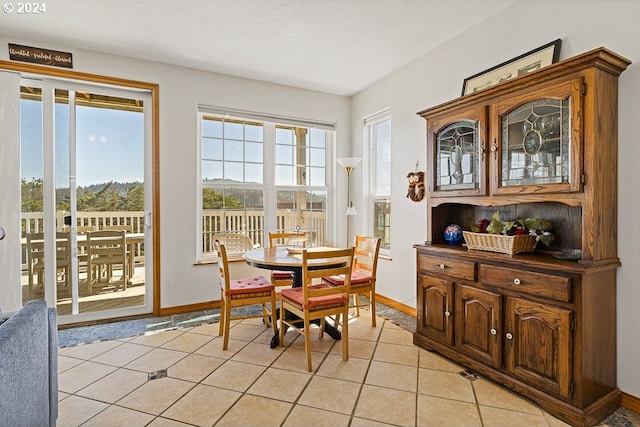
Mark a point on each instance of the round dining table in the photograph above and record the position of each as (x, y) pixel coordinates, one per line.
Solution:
(284, 258)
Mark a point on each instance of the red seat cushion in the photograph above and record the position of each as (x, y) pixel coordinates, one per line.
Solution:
(250, 285)
(356, 278)
(295, 296)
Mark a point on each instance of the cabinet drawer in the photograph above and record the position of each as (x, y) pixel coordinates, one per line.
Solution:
(451, 268)
(540, 284)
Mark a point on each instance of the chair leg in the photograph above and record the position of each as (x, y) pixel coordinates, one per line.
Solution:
(356, 302)
(282, 325)
(221, 322)
(274, 313)
(345, 337)
(372, 299)
(227, 325)
(307, 342)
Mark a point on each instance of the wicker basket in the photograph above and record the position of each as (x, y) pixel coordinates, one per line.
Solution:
(500, 243)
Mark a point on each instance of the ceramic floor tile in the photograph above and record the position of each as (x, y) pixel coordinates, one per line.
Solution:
(358, 348)
(156, 396)
(396, 336)
(325, 344)
(88, 351)
(75, 410)
(114, 386)
(165, 422)
(362, 422)
(363, 330)
(232, 375)
(315, 395)
(187, 342)
(396, 353)
(65, 363)
(295, 359)
(489, 393)
(496, 417)
(386, 406)
(311, 417)
(208, 329)
(437, 412)
(258, 354)
(433, 360)
(214, 348)
(116, 416)
(157, 338)
(280, 384)
(399, 377)
(246, 332)
(445, 384)
(62, 395)
(195, 367)
(158, 358)
(353, 369)
(255, 411)
(123, 354)
(202, 406)
(82, 375)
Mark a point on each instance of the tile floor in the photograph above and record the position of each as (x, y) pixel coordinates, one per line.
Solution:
(386, 382)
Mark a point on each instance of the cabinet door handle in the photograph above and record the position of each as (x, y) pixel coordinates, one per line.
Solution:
(509, 336)
(517, 281)
(447, 313)
(494, 331)
(442, 266)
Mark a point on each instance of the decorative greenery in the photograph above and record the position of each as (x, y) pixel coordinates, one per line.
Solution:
(539, 227)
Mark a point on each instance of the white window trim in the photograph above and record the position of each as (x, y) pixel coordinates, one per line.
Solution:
(269, 123)
(368, 188)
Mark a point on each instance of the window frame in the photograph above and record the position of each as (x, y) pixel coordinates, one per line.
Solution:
(269, 125)
(370, 136)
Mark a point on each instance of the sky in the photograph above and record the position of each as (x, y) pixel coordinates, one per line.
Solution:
(109, 144)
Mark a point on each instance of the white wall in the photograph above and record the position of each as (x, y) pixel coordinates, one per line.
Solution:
(181, 90)
(437, 77)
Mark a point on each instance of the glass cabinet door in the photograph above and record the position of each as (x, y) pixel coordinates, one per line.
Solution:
(457, 155)
(536, 146)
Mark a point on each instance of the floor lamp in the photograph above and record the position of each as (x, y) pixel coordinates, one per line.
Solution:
(349, 164)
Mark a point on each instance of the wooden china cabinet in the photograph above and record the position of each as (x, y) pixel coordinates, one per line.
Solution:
(540, 145)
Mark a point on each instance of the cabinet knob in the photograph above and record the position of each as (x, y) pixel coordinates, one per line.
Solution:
(509, 336)
(494, 148)
(442, 266)
(481, 150)
(447, 313)
(494, 331)
(516, 281)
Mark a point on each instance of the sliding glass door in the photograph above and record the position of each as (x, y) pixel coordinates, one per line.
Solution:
(85, 168)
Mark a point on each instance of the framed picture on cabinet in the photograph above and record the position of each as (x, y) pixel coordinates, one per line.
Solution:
(518, 66)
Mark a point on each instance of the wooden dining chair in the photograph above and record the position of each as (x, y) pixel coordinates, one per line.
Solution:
(106, 249)
(318, 301)
(240, 293)
(363, 275)
(285, 278)
(36, 258)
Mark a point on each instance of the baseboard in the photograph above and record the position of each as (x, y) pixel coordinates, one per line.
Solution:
(396, 305)
(631, 402)
(179, 309)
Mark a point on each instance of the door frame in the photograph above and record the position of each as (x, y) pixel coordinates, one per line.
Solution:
(28, 69)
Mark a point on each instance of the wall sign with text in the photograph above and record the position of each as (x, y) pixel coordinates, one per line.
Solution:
(37, 55)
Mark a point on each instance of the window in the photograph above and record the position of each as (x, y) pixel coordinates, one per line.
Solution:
(378, 131)
(237, 157)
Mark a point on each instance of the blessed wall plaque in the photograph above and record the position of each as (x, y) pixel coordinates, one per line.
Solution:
(37, 55)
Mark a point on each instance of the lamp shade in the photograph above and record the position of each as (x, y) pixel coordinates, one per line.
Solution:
(349, 162)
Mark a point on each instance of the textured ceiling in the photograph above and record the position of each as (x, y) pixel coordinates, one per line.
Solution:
(334, 46)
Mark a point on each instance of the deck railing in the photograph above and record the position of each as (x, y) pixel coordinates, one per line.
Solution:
(214, 221)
